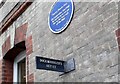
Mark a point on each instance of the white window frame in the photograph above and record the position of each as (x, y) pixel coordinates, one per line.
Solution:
(19, 58)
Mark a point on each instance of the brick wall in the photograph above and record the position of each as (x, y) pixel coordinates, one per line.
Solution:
(118, 37)
(7, 71)
(6, 46)
(9, 54)
(90, 39)
(29, 50)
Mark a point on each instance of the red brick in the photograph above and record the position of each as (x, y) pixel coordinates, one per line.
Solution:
(28, 44)
(7, 65)
(118, 40)
(6, 46)
(30, 78)
(119, 48)
(7, 71)
(117, 32)
(14, 16)
(0, 71)
(20, 34)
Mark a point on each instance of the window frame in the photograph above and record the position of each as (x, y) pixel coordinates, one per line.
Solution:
(19, 58)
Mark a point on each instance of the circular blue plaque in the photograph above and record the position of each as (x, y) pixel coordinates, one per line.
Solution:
(60, 15)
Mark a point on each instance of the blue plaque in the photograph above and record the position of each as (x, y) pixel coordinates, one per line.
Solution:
(60, 15)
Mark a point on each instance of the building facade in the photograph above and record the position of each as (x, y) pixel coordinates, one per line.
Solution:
(92, 38)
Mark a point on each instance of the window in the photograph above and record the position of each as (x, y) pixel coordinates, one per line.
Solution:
(19, 74)
(21, 71)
